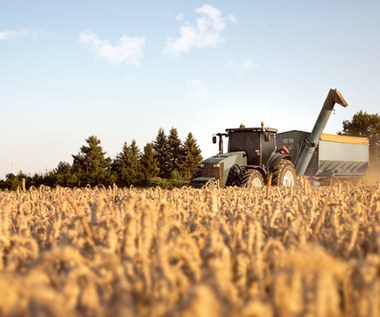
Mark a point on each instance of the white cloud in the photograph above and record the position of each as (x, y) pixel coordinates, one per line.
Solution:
(241, 67)
(179, 17)
(129, 49)
(232, 18)
(15, 34)
(196, 89)
(207, 31)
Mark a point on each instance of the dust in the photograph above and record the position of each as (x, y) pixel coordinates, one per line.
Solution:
(372, 177)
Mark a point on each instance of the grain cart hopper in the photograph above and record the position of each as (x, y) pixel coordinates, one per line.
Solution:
(253, 156)
(336, 156)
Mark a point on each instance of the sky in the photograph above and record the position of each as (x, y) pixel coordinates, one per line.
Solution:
(121, 70)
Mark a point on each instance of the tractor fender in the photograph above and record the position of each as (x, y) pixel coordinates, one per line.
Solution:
(275, 160)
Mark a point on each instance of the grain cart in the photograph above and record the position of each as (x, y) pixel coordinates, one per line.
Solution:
(337, 156)
(254, 157)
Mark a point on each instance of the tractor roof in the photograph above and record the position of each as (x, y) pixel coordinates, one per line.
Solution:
(259, 129)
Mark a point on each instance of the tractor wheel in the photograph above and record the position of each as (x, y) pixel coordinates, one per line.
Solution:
(234, 176)
(252, 178)
(284, 174)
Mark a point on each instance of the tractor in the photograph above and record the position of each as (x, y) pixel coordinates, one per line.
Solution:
(254, 159)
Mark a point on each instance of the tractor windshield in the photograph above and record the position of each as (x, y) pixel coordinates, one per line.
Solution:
(247, 141)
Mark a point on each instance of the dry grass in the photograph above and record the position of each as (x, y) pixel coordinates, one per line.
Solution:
(210, 252)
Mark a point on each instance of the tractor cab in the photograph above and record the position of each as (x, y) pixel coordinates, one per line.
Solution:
(258, 143)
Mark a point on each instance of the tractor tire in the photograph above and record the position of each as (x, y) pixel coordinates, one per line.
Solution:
(252, 178)
(284, 174)
(234, 176)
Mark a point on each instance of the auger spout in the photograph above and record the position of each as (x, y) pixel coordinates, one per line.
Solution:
(312, 140)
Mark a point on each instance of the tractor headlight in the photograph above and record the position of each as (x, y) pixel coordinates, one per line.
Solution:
(216, 165)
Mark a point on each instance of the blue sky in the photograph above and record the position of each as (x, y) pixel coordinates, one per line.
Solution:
(120, 70)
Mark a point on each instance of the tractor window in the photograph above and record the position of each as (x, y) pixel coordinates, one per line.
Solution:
(245, 141)
(267, 148)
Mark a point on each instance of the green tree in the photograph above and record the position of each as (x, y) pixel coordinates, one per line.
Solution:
(63, 175)
(127, 166)
(191, 156)
(91, 166)
(160, 146)
(37, 180)
(174, 152)
(148, 162)
(135, 160)
(13, 182)
(365, 125)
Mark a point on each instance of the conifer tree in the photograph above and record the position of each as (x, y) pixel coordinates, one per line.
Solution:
(126, 165)
(160, 146)
(119, 166)
(191, 156)
(91, 166)
(174, 152)
(148, 162)
(135, 163)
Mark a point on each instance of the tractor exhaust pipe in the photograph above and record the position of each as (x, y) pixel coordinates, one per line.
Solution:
(312, 141)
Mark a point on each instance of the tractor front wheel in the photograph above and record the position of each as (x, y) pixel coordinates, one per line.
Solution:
(234, 176)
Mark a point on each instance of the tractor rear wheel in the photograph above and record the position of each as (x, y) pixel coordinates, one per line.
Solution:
(284, 174)
(252, 178)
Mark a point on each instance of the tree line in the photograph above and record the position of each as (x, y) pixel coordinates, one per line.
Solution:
(167, 162)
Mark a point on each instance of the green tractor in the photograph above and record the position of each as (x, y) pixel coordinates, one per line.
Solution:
(251, 160)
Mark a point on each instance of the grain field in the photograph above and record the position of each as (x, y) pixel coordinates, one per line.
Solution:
(191, 252)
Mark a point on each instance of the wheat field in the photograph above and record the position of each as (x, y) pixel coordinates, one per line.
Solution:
(191, 252)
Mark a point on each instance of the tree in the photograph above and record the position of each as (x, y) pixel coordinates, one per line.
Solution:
(62, 175)
(174, 152)
(135, 161)
(37, 180)
(13, 182)
(91, 166)
(160, 146)
(127, 165)
(367, 125)
(191, 156)
(148, 163)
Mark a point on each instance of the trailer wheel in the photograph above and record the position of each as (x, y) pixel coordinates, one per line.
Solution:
(284, 174)
(252, 178)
